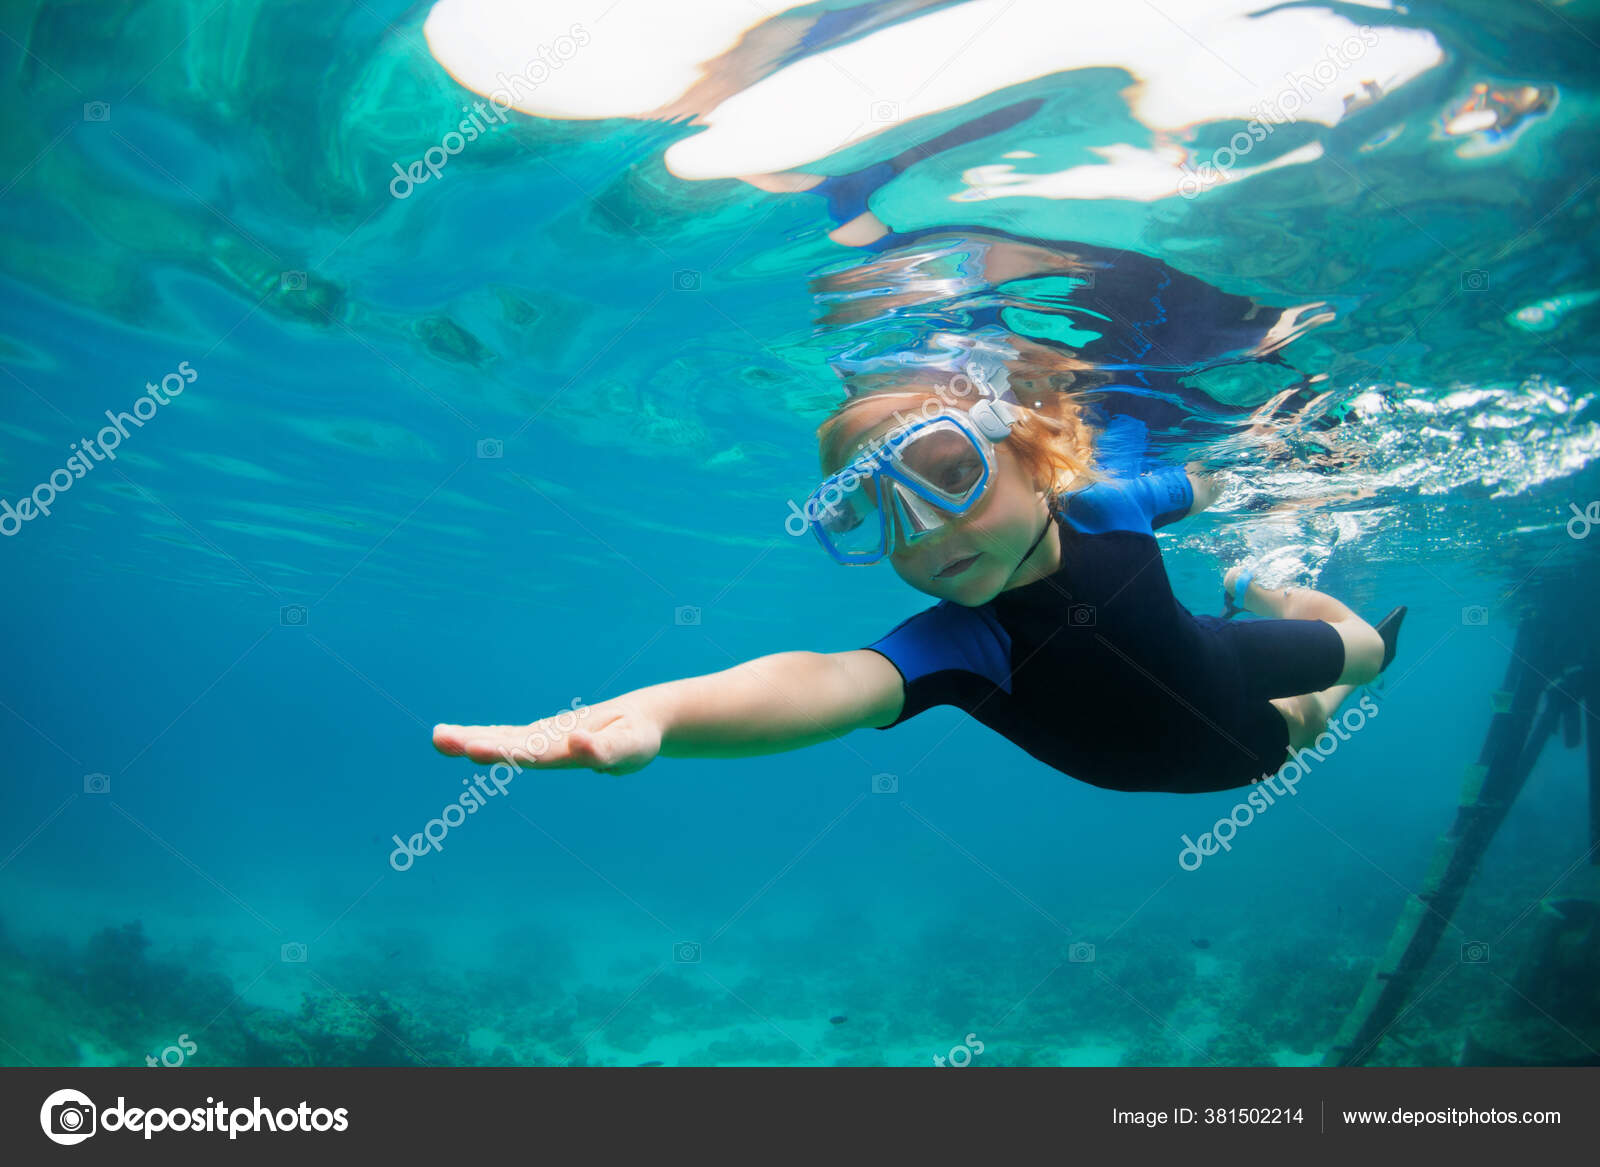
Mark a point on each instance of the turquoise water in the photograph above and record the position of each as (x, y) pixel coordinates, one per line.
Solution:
(524, 438)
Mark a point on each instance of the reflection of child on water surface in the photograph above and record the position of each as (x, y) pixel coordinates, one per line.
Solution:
(1133, 333)
(1056, 624)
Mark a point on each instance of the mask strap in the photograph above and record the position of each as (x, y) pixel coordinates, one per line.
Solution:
(1045, 530)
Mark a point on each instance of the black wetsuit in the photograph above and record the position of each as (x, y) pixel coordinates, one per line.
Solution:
(1099, 671)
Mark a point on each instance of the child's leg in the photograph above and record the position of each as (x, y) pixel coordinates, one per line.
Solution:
(1307, 715)
(1363, 647)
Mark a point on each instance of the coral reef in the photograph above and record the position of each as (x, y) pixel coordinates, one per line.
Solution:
(830, 993)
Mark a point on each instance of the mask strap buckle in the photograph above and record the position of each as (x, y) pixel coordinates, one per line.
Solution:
(994, 418)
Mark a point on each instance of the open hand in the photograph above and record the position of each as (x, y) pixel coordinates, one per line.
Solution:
(618, 742)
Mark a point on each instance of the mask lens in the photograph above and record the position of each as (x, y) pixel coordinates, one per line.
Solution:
(849, 518)
(946, 460)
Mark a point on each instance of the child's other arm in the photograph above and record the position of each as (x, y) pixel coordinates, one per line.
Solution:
(1205, 486)
(763, 706)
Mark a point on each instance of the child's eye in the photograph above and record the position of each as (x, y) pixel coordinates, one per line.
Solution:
(960, 476)
(947, 461)
(841, 520)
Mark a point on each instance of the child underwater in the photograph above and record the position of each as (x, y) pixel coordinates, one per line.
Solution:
(1056, 624)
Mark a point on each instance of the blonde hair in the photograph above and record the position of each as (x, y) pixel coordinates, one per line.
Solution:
(1051, 440)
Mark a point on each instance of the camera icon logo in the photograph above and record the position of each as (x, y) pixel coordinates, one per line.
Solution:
(885, 111)
(491, 448)
(1475, 615)
(1475, 952)
(96, 111)
(686, 952)
(1081, 616)
(685, 615)
(1081, 953)
(97, 783)
(886, 784)
(292, 615)
(293, 953)
(68, 1117)
(1476, 280)
(292, 281)
(686, 281)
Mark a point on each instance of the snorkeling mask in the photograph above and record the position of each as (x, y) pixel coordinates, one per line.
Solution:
(915, 475)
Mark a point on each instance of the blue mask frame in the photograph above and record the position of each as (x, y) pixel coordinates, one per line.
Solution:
(916, 504)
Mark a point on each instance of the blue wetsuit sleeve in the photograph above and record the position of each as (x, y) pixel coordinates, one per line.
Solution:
(1167, 494)
(1153, 499)
(1121, 446)
(947, 655)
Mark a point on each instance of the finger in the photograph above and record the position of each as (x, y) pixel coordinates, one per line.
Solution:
(601, 752)
(576, 750)
(451, 739)
(615, 752)
(498, 741)
(541, 744)
(558, 756)
(514, 746)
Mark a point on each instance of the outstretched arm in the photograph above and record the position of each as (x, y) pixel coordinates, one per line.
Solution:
(763, 706)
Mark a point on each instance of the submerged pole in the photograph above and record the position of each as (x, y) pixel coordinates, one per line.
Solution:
(1517, 734)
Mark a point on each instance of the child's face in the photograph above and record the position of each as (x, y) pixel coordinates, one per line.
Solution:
(995, 534)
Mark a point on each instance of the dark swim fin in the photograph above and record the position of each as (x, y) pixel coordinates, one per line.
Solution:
(1389, 629)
